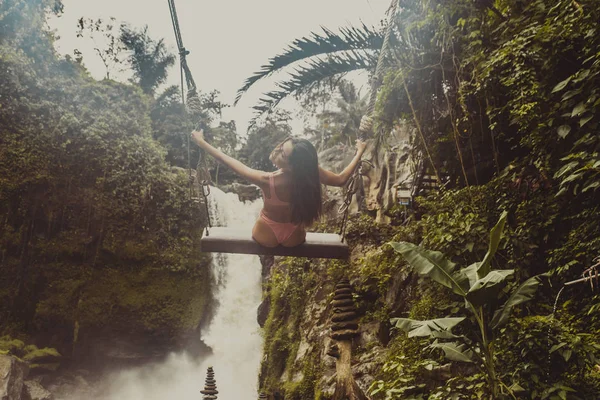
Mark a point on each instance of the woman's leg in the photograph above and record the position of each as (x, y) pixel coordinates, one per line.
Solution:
(263, 234)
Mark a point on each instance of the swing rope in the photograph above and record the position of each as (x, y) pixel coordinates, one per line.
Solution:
(377, 79)
(355, 181)
(194, 107)
(351, 189)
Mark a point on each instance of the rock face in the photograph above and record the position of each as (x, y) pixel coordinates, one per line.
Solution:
(12, 375)
(32, 390)
(244, 192)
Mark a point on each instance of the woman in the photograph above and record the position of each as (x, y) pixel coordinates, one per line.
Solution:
(292, 195)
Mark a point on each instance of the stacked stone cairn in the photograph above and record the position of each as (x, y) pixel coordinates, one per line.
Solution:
(262, 396)
(210, 387)
(344, 321)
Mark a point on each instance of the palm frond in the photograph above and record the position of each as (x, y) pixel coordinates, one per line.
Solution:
(316, 44)
(314, 71)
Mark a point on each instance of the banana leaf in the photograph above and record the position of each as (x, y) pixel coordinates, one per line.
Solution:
(467, 277)
(429, 263)
(425, 328)
(455, 351)
(522, 294)
(495, 237)
(487, 288)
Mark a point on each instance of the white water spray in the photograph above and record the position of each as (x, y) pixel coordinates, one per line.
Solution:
(233, 334)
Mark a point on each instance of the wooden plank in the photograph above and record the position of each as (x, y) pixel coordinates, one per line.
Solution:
(239, 241)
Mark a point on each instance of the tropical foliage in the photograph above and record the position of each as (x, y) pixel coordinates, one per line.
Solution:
(92, 217)
(480, 287)
(316, 58)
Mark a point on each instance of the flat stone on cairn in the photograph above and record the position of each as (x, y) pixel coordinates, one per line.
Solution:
(210, 387)
(344, 323)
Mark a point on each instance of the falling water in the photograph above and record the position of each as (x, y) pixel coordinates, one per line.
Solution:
(233, 334)
(550, 330)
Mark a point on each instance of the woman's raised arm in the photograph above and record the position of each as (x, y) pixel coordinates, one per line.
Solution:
(254, 176)
(332, 179)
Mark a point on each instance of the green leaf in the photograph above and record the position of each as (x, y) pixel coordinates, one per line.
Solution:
(561, 85)
(563, 131)
(495, 237)
(557, 346)
(566, 168)
(416, 328)
(487, 288)
(570, 94)
(429, 263)
(592, 185)
(515, 387)
(578, 110)
(467, 277)
(522, 294)
(585, 120)
(455, 351)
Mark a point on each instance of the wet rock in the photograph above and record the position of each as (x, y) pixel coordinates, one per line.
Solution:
(210, 388)
(344, 325)
(262, 313)
(343, 316)
(12, 374)
(72, 385)
(244, 192)
(33, 390)
(342, 303)
(333, 351)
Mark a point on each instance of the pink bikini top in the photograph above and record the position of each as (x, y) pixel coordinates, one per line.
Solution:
(274, 200)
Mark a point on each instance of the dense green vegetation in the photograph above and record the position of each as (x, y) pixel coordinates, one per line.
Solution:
(501, 97)
(98, 233)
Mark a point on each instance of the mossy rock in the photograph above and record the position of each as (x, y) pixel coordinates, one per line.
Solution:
(41, 356)
(41, 368)
(12, 346)
(30, 347)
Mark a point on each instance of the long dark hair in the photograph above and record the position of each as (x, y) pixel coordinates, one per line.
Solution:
(306, 185)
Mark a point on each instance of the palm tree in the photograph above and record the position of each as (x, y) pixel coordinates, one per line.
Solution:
(342, 123)
(315, 58)
(149, 58)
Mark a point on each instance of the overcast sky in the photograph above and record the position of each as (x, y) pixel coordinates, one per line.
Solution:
(228, 40)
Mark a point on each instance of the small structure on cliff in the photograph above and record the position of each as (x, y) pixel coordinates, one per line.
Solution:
(344, 327)
(210, 388)
(262, 396)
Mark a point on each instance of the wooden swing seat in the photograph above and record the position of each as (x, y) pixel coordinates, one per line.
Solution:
(239, 241)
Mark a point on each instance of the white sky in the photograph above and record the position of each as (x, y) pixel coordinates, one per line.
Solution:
(228, 40)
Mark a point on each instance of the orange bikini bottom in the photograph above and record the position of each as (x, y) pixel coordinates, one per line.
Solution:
(282, 230)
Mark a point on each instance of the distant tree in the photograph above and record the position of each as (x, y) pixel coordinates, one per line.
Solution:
(171, 126)
(339, 122)
(263, 137)
(148, 58)
(107, 45)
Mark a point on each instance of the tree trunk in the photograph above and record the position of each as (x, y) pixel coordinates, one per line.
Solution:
(345, 386)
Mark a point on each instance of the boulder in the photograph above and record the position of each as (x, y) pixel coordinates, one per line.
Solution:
(12, 374)
(32, 390)
(244, 192)
(263, 311)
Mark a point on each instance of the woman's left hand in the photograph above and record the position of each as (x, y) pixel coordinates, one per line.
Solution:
(198, 136)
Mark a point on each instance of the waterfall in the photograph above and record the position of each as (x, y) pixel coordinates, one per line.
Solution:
(233, 334)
